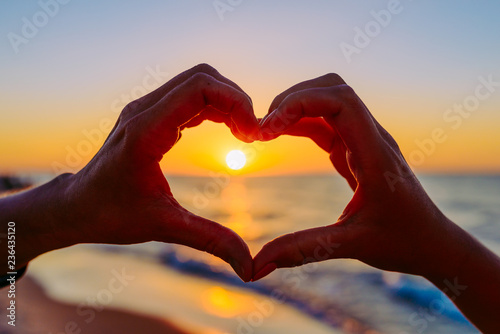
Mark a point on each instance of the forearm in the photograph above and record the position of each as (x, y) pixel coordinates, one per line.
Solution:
(470, 277)
(39, 215)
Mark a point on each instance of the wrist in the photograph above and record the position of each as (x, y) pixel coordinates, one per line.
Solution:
(450, 254)
(40, 215)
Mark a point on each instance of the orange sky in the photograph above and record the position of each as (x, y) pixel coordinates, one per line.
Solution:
(71, 77)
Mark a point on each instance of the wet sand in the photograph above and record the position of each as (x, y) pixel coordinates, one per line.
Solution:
(37, 313)
(133, 294)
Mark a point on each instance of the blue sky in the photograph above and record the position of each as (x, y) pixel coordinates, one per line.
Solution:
(428, 57)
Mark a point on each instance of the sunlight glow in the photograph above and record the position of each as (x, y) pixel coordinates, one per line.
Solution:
(236, 159)
(225, 303)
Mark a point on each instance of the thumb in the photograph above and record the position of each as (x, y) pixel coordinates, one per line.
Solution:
(298, 248)
(205, 235)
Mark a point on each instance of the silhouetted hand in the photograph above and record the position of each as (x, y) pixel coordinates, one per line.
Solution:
(388, 219)
(122, 196)
(390, 222)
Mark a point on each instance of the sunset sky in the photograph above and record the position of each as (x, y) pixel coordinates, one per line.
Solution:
(66, 71)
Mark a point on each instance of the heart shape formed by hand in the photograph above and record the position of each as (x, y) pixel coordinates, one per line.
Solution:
(324, 109)
(289, 115)
(386, 192)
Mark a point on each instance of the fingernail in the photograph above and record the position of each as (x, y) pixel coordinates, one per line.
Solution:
(267, 134)
(256, 134)
(267, 119)
(268, 268)
(240, 271)
(263, 119)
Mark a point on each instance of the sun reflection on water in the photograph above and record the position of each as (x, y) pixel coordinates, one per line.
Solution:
(224, 303)
(236, 201)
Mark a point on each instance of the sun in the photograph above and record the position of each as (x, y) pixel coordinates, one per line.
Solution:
(236, 159)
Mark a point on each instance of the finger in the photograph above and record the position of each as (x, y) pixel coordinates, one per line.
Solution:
(339, 159)
(201, 91)
(314, 128)
(342, 109)
(216, 116)
(383, 132)
(317, 129)
(326, 138)
(208, 236)
(150, 99)
(296, 249)
(242, 122)
(327, 80)
(162, 122)
(209, 113)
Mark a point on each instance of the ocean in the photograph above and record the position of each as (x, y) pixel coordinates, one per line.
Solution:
(346, 295)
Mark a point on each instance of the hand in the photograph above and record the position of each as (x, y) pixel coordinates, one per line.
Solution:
(122, 196)
(390, 223)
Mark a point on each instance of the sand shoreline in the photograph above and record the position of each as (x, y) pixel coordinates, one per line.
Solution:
(38, 313)
(95, 291)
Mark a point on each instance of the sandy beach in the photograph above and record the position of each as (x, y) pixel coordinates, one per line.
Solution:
(37, 313)
(85, 290)
(162, 288)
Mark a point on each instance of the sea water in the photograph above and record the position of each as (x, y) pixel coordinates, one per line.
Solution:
(343, 293)
(346, 294)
